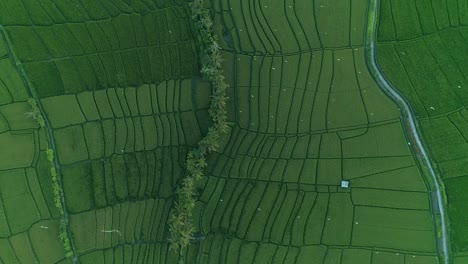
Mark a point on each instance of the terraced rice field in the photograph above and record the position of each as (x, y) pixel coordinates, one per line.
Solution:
(423, 51)
(307, 115)
(119, 85)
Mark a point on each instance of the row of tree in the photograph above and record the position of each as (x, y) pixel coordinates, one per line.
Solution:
(58, 191)
(58, 203)
(181, 221)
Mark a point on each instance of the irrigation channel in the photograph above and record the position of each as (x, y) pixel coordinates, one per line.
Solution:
(410, 126)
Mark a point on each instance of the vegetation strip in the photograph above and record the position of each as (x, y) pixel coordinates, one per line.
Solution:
(57, 189)
(59, 198)
(181, 222)
(409, 123)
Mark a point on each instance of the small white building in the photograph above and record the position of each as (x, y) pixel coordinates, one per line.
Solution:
(344, 184)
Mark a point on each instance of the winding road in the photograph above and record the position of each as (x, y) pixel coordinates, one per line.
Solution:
(409, 123)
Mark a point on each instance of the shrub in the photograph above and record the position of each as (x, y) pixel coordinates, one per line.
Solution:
(36, 113)
(58, 192)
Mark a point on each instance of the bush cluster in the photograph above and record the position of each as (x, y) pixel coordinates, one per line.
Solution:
(58, 203)
(181, 223)
(55, 183)
(36, 113)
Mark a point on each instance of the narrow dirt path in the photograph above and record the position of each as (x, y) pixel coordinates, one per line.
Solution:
(410, 125)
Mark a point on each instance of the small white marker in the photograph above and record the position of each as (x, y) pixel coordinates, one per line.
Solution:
(112, 231)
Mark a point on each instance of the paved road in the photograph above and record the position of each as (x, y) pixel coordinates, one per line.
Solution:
(409, 122)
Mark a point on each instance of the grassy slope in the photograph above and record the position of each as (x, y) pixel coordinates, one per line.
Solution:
(424, 51)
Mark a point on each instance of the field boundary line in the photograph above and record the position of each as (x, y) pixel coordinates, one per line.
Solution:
(50, 138)
(411, 128)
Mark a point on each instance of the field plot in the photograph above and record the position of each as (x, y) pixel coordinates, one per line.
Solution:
(118, 84)
(308, 115)
(423, 50)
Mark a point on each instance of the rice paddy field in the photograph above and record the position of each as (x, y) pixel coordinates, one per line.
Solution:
(423, 51)
(119, 85)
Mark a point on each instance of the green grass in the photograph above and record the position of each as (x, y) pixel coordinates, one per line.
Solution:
(70, 147)
(383, 227)
(23, 250)
(12, 82)
(350, 256)
(78, 188)
(460, 260)
(15, 190)
(338, 224)
(21, 152)
(94, 139)
(456, 206)
(16, 115)
(391, 199)
(63, 111)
